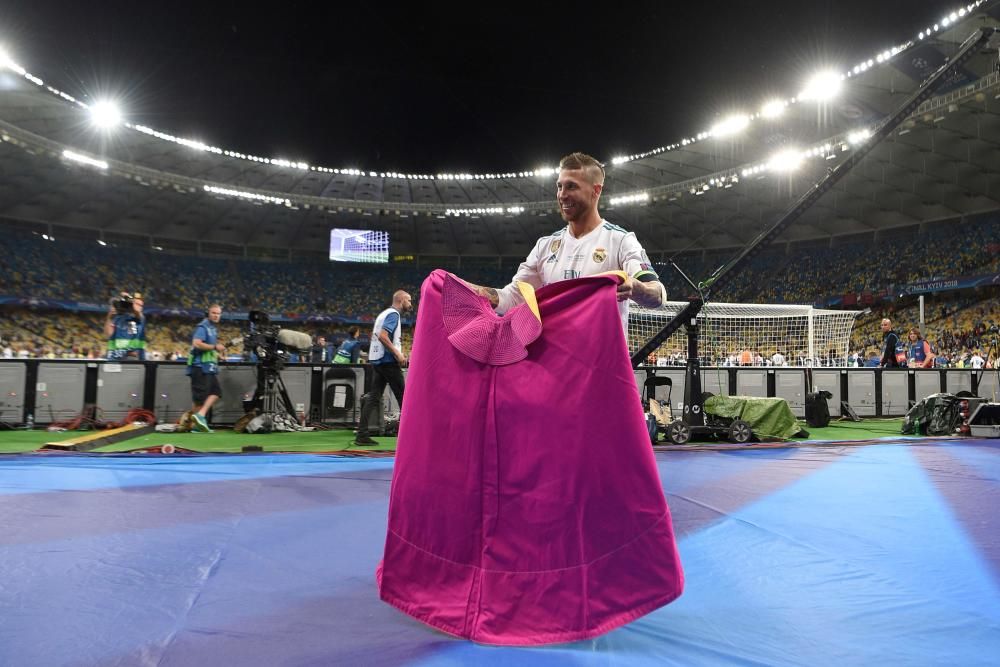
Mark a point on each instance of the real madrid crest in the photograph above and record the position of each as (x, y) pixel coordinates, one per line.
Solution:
(554, 246)
(600, 255)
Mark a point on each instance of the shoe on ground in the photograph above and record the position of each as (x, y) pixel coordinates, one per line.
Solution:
(364, 441)
(200, 424)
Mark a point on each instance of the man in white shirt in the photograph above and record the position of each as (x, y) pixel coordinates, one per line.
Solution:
(778, 359)
(976, 361)
(588, 245)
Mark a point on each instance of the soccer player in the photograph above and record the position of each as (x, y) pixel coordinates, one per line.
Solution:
(586, 246)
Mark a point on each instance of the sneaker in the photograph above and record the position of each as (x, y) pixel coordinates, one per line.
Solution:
(200, 424)
(364, 441)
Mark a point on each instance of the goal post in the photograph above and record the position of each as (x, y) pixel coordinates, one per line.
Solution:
(731, 332)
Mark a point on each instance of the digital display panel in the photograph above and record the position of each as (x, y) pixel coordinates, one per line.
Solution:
(359, 245)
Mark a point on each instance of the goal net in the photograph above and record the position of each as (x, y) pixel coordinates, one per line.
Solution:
(733, 334)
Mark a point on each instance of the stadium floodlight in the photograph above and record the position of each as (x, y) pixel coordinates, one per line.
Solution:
(83, 159)
(630, 199)
(6, 62)
(773, 109)
(105, 115)
(822, 86)
(860, 136)
(786, 160)
(730, 125)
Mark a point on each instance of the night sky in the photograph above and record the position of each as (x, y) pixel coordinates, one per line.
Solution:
(420, 88)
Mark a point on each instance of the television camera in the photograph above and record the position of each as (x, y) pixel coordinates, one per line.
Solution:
(269, 343)
(124, 303)
(271, 347)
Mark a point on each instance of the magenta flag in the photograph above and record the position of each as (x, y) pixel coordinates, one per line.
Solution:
(526, 507)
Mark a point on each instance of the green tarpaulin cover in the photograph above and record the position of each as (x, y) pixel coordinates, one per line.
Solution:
(768, 417)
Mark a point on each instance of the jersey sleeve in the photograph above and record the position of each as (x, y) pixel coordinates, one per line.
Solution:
(634, 261)
(528, 272)
(200, 333)
(389, 324)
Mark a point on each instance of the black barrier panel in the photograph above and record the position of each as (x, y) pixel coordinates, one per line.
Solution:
(55, 390)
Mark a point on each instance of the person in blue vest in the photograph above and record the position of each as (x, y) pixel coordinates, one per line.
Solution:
(126, 329)
(203, 367)
(919, 354)
(385, 354)
(349, 351)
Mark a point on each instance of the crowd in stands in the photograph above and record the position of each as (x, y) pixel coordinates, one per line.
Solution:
(957, 324)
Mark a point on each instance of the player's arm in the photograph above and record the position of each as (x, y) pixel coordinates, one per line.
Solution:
(491, 294)
(505, 298)
(642, 285)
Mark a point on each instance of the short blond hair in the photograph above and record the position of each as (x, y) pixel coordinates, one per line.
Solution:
(593, 168)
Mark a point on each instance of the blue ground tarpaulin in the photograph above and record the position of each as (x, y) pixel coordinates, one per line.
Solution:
(859, 555)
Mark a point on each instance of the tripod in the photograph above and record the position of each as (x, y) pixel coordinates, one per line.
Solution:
(270, 398)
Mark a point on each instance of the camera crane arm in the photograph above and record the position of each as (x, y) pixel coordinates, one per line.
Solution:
(724, 274)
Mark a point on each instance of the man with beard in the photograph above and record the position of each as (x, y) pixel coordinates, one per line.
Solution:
(890, 343)
(588, 245)
(385, 354)
(491, 537)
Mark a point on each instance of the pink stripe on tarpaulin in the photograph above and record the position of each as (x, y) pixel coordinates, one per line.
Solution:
(526, 506)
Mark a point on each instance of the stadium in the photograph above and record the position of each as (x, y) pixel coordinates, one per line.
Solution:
(783, 236)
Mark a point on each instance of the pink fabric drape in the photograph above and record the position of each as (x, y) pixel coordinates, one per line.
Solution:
(526, 507)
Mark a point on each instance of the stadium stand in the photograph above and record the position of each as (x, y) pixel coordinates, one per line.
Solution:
(64, 273)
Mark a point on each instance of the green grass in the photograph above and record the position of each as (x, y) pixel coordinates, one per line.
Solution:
(16, 442)
(339, 440)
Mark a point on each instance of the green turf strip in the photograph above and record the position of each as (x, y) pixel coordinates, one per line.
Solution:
(13, 442)
(339, 440)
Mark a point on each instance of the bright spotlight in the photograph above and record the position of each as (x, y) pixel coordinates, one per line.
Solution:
(858, 137)
(730, 125)
(786, 160)
(6, 62)
(773, 109)
(105, 115)
(821, 87)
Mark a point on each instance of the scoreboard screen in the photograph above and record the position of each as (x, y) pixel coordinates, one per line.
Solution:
(359, 245)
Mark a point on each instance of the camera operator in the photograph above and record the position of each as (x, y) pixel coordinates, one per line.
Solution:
(349, 351)
(125, 327)
(203, 367)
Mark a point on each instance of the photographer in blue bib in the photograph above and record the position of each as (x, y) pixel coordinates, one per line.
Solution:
(203, 367)
(125, 328)
(919, 353)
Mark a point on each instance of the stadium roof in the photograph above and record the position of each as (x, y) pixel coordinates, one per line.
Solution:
(715, 190)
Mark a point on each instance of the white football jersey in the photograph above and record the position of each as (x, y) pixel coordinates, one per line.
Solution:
(561, 256)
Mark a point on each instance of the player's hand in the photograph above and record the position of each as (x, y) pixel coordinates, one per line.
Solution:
(403, 361)
(219, 347)
(625, 289)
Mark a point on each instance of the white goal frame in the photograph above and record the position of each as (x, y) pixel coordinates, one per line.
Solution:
(804, 335)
